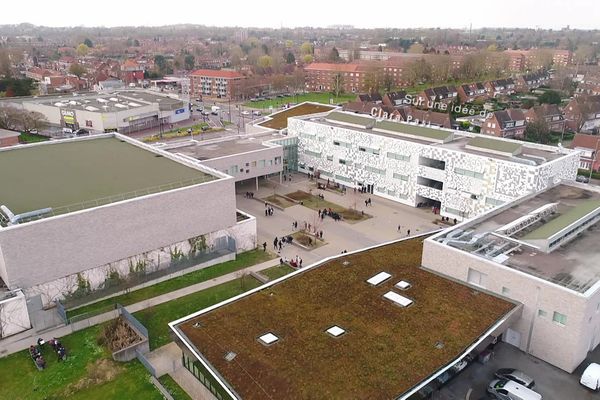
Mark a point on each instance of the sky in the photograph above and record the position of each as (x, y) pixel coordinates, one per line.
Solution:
(555, 14)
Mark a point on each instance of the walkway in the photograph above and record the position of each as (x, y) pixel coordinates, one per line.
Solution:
(23, 340)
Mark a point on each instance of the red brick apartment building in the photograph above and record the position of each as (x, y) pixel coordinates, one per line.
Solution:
(562, 58)
(320, 76)
(214, 83)
(506, 123)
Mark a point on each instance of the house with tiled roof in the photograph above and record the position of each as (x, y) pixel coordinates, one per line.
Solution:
(589, 146)
(549, 113)
(509, 123)
(470, 92)
(582, 114)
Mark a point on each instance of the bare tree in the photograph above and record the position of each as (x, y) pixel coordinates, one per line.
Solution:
(10, 118)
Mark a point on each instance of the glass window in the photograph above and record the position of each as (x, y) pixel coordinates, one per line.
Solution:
(542, 313)
(559, 318)
(477, 278)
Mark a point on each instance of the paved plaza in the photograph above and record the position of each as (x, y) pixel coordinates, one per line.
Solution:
(340, 236)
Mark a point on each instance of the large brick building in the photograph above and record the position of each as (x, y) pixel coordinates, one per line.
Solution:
(214, 83)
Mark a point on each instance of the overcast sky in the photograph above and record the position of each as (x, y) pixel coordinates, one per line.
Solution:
(584, 14)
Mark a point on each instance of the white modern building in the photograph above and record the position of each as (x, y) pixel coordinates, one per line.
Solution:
(461, 174)
(78, 216)
(539, 251)
(124, 111)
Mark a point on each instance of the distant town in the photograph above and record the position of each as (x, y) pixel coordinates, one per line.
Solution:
(193, 212)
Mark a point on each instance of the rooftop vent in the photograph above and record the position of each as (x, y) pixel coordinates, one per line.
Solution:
(268, 339)
(336, 331)
(230, 356)
(398, 299)
(439, 345)
(379, 278)
(402, 285)
(197, 325)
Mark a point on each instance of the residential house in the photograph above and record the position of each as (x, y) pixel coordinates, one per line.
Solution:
(527, 82)
(506, 123)
(437, 96)
(395, 99)
(589, 146)
(582, 114)
(472, 91)
(500, 87)
(131, 72)
(370, 97)
(549, 113)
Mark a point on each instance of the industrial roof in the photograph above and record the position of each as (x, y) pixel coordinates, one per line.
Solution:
(414, 130)
(501, 146)
(387, 348)
(77, 173)
(557, 224)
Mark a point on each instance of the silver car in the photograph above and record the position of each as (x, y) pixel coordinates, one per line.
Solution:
(515, 375)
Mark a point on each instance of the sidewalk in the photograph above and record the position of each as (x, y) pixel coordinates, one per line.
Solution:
(25, 339)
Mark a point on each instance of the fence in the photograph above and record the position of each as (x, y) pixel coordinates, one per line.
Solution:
(145, 363)
(132, 320)
(223, 246)
(60, 308)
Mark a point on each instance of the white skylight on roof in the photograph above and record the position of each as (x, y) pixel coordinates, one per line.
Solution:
(120, 105)
(396, 298)
(113, 99)
(102, 101)
(336, 331)
(379, 278)
(402, 285)
(132, 104)
(268, 339)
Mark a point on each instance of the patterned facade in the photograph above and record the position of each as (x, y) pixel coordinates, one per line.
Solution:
(464, 183)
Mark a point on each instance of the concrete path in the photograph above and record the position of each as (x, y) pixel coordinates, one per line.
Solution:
(25, 339)
(165, 359)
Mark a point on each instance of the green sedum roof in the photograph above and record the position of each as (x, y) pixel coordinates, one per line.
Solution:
(551, 228)
(353, 119)
(494, 145)
(413, 130)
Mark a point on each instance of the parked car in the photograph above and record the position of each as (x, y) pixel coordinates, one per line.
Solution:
(503, 389)
(205, 113)
(256, 113)
(32, 131)
(582, 178)
(515, 375)
(591, 376)
(81, 132)
(245, 112)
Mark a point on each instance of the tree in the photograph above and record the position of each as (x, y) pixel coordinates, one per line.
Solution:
(265, 61)
(88, 43)
(338, 84)
(388, 82)
(550, 97)
(306, 48)
(189, 61)
(419, 71)
(307, 59)
(9, 118)
(290, 58)
(34, 120)
(334, 55)
(5, 64)
(160, 62)
(537, 132)
(416, 48)
(136, 43)
(82, 50)
(77, 69)
(373, 79)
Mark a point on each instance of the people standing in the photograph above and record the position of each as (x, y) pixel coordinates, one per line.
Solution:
(408, 232)
(275, 241)
(265, 246)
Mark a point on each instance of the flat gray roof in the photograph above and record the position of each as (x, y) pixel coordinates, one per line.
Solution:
(494, 145)
(414, 130)
(4, 133)
(574, 265)
(223, 148)
(346, 118)
(86, 173)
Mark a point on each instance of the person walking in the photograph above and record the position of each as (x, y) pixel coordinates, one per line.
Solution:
(265, 246)
(275, 241)
(399, 228)
(408, 232)
(280, 244)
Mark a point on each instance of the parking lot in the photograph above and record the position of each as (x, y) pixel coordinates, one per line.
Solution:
(551, 382)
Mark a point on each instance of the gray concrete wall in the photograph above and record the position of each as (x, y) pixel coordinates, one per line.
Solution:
(564, 346)
(52, 248)
(250, 162)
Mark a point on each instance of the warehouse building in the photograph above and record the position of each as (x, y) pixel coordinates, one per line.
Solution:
(540, 251)
(82, 212)
(124, 111)
(461, 175)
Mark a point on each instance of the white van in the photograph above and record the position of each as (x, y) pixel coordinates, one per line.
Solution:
(503, 389)
(591, 376)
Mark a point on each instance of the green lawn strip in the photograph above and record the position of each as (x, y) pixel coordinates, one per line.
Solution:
(181, 132)
(22, 381)
(173, 388)
(315, 97)
(132, 383)
(242, 260)
(277, 271)
(31, 138)
(315, 203)
(156, 318)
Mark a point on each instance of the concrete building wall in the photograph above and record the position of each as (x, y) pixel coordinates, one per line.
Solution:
(48, 249)
(14, 317)
(564, 346)
(462, 196)
(249, 165)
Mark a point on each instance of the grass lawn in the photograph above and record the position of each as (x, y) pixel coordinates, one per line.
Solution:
(277, 271)
(314, 202)
(31, 138)
(308, 240)
(279, 200)
(173, 388)
(316, 97)
(243, 260)
(89, 373)
(156, 318)
(181, 132)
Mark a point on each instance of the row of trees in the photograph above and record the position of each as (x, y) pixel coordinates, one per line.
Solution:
(16, 119)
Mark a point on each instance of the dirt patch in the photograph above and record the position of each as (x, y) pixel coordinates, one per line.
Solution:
(309, 200)
(307, 240)
(281, 201)
(97, 373)
(118, 335)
